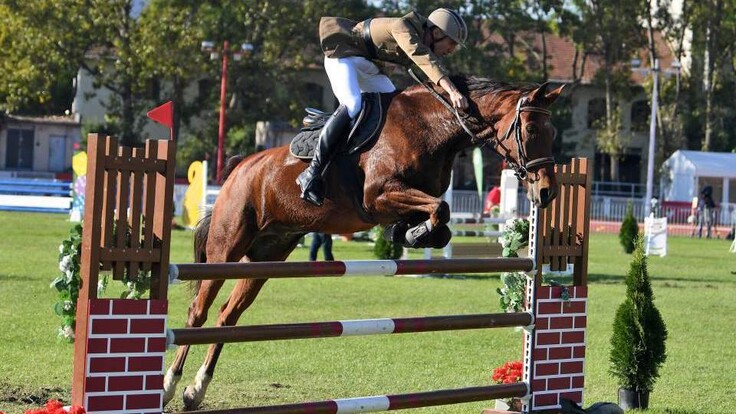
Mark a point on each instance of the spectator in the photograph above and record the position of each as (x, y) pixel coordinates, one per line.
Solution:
(492, 199)
(323, 240)
(706, 211)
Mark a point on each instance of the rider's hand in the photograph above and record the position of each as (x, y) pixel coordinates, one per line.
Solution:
(459, 101)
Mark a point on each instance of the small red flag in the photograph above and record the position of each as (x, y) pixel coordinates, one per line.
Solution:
(163, 114)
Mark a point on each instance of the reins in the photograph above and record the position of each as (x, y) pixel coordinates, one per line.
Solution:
(521, 168)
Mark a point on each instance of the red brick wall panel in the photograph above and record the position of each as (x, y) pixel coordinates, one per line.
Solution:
(575, 306)
(541, 323)
(154, 382)
(143, 401)
(158, 307)
(97, 346)
(127, 345)
(156, 345)
(581, 322)
(107, 364)
(576, 396)
(147, 326)
(549, 308)
(564, 352)
(560, 323)
(125, 383)
(578, 352)
(145, 363)
(95, 384)
(102, 326)
(562, 383)
(105, 403)
(130, 307)
(546, 369)
(578, 382)
(540, 354)
(541, 400)
(99, 306)
(575, 337)
(574, 367)
(548, 338)
(543, 292)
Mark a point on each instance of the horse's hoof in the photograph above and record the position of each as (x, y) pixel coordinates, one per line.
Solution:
(191, 398)
(170, 381)
(440, 237)
(443, 213)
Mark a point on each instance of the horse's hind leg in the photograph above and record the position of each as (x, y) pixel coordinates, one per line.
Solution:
(206, 294)
(243, 294)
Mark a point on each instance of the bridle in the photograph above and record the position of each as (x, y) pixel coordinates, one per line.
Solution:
(521, 168)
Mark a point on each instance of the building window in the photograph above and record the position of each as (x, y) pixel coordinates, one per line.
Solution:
(19, 155)
(640, 116)
(596, 113)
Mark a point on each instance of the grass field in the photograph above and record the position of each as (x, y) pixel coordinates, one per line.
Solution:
(694, 286)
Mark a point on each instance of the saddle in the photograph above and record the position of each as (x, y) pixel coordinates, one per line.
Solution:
(363, 133)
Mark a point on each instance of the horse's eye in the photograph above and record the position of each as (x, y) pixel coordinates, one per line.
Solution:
(531, 129)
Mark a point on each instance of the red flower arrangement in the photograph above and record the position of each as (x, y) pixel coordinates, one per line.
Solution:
(55, 407)
(508, 373)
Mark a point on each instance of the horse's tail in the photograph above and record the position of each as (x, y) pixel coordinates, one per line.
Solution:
(200, 245)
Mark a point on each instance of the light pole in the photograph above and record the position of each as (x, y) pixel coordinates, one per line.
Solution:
(653, 125)
(245, 49)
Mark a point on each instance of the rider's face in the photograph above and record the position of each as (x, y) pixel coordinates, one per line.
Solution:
(443, 45)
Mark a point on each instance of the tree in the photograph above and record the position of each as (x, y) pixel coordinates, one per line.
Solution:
(629, 230)
(639, 332)
(612, 31)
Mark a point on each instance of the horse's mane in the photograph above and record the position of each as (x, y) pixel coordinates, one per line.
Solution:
(475, 86)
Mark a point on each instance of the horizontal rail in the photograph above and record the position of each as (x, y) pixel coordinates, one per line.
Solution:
(476, 233)
(484, 220)
(227, 334)
(388, 402)
(267, 270)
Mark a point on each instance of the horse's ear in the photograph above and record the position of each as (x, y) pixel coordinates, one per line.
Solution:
(541, 97)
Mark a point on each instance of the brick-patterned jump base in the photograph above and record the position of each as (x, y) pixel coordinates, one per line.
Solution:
(125, 355)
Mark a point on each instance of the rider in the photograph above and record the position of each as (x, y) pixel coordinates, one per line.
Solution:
(350, 50)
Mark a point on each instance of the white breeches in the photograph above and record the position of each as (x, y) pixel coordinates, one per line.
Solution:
(352, 75)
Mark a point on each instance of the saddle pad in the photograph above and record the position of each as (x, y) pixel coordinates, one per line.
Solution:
(302, 145)
(366, 130)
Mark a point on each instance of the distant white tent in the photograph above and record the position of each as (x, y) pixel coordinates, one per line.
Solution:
(686, 172)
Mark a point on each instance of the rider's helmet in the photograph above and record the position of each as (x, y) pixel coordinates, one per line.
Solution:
(451, 23)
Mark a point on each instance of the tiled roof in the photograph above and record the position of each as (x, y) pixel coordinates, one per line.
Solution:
(49, 119)
(562, 64)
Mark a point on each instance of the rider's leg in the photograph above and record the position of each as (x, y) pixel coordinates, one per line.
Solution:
(344, 79)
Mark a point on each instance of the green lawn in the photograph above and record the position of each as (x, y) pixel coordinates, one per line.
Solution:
(694, 288)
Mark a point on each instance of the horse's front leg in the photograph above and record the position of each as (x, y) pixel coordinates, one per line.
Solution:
(427, 214)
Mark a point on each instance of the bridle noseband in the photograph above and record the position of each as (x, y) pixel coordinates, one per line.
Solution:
(521, 168)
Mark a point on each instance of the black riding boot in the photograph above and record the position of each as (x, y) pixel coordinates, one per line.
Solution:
(310, 180)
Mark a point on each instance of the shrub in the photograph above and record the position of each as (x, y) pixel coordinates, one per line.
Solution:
(384, 249)
(639, 332)
(629, 230)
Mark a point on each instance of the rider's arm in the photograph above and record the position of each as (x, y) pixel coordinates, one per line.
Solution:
(408, 40)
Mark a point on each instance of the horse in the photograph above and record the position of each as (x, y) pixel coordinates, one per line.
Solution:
(259, 216)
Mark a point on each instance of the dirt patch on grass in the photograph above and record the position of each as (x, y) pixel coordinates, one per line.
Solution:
(18, 399)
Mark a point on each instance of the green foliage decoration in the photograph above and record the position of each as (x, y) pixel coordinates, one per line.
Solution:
(384, 249)
(639, 332)
(629, 230)
(511, 294)
(70, 280)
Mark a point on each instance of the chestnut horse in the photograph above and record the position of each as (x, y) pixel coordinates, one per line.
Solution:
(258, 215)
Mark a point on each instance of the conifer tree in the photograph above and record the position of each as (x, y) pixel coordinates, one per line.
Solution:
(639, 332)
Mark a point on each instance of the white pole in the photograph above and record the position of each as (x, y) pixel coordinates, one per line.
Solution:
(652, 138)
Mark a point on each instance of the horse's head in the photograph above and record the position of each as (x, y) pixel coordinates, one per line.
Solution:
(524, 137)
